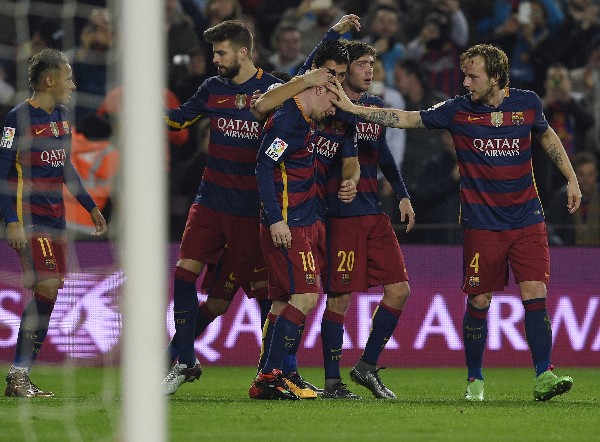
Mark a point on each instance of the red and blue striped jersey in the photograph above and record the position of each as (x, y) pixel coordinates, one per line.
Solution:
(228, 182)
(493, 147)
(34, 163)
(373, 152)
(286, 167)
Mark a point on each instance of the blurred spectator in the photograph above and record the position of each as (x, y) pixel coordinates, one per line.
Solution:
(420, 145)
(7, 90)
(186, 78)
(586, 82)
(583, 227)
(260, 54)
(90, 63)
(438, 192)
(181, 35)
(269, 17)
(383, 36)
(97, 161)
(287, 56)
(439, 44)
(568, 118)
(218, 11)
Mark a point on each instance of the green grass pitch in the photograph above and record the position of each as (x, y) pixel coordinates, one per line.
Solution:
(217, 407)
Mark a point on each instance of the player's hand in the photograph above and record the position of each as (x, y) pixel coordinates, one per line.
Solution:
(99, 222)
(15, 235)
(317, 77)
(573, 196)
(347, 191)
(255, 113)
(407, 213)
(347, 23)
(281, 235)
(342, 101)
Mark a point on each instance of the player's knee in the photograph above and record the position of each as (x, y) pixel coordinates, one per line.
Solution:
(481, 301)
(48, 288)
(217, 306)
(190, 265)
(396, 295)
(338, 303)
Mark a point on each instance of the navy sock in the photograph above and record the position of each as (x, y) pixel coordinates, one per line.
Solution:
(285, 334)
(290, 362)
(474, 338)
(332, 339)
(267, 337)
(204, 319)
(32, 330)
(384, 323)
(185, 311)
(538, 332)
(265, 306)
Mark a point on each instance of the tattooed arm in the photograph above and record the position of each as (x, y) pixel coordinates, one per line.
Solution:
(556, 151)
(385, 117)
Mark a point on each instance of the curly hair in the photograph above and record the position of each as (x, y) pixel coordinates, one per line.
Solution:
(47, 60)
(495, 61)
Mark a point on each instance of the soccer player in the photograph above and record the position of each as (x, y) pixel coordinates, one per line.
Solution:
(226, 207)
(501, 212)
(286, 175)
(34, 164)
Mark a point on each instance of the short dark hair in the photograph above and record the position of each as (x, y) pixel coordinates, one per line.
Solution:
(45, 61)
(357, 49)
(584, 158)
(495, 61)
(414, 68)
(233, 30)
(331, 50)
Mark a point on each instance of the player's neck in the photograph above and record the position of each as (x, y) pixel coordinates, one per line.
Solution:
(43, 101)
(247, 71)
(496, 98)
(351, 93)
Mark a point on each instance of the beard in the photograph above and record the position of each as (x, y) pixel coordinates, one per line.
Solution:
(231, 71)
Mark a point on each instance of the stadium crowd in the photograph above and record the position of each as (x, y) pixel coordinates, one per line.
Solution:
(553, 45)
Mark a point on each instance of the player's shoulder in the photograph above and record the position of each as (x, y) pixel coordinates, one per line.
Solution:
(64, 111)
(371, 100)
(523, 96)
(266, 78)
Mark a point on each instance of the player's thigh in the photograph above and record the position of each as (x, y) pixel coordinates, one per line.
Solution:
(244, 249)
(385, 262)
(485, 261)
(529, 254)
(203, 237)
(44, 259)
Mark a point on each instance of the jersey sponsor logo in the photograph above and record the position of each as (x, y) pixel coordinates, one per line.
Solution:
(470, 118)
(517, 118)
(496, 118)
(497, 147)
(240, 101)
(239, 128)
(324, 147)
(276, 149)
(56, 157)
(37, 132)
(8, 135)
(368, 131)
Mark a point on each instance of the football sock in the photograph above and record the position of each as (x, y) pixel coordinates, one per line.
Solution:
(474, 337)
(538, 332)
(185, 311)
(267, 337)
(204, 319)
(285, 334)
(265, 306)
(332, 339)
(383, 325)
(290, 363)
(32, 330)
(330, 382)
(363, 367)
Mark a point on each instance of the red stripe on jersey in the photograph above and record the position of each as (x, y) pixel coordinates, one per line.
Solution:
(238, 101)
(508, 118)
(367, 185)
(471, 196)
(52, 210)
(230, 181)
(487, 172)
(232, 153)
(46, 185)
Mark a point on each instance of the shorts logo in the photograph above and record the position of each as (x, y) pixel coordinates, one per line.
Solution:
(518, 118)
(276, 149)
(496, 118)
(345, 278)
(240, 101)
(8, 135)
(228, 287)
(474, 281)
(50, 264)
(310, 278)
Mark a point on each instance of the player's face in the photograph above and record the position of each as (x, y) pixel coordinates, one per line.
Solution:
(226, 59)
(339, 69)
(481, 87)
(587, 175)
(62, 84)
(360, 74)
(323, 106)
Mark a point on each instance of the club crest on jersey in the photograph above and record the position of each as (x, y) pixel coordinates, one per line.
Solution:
(65, 125)
(276, 149)
(496, 118)
(54, 129)
(345, 278)
(310, 278)
(474, 281)
(8, 135)
(518, 118)
(240, 101)
(50, 264)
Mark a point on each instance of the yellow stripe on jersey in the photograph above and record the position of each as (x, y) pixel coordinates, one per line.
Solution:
(19, 188)
(176, 125)
(284, 195)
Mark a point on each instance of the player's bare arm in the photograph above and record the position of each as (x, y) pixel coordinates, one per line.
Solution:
(350, 175)
(281, 234)
(99, 222)
(556, 151)
(407, 213)
(15, 235)
(347, 23)
(386, 117)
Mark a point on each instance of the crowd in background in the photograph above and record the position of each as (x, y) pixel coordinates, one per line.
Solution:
(553, 47)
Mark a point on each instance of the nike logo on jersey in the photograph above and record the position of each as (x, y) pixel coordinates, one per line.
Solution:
(222, 101)
(470, 118)
(255, 270)
(37, 132)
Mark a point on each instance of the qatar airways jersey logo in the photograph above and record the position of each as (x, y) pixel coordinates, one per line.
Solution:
(368, 131)
(324, 147)
(497, 147)
(239, 128)
(55, 157)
